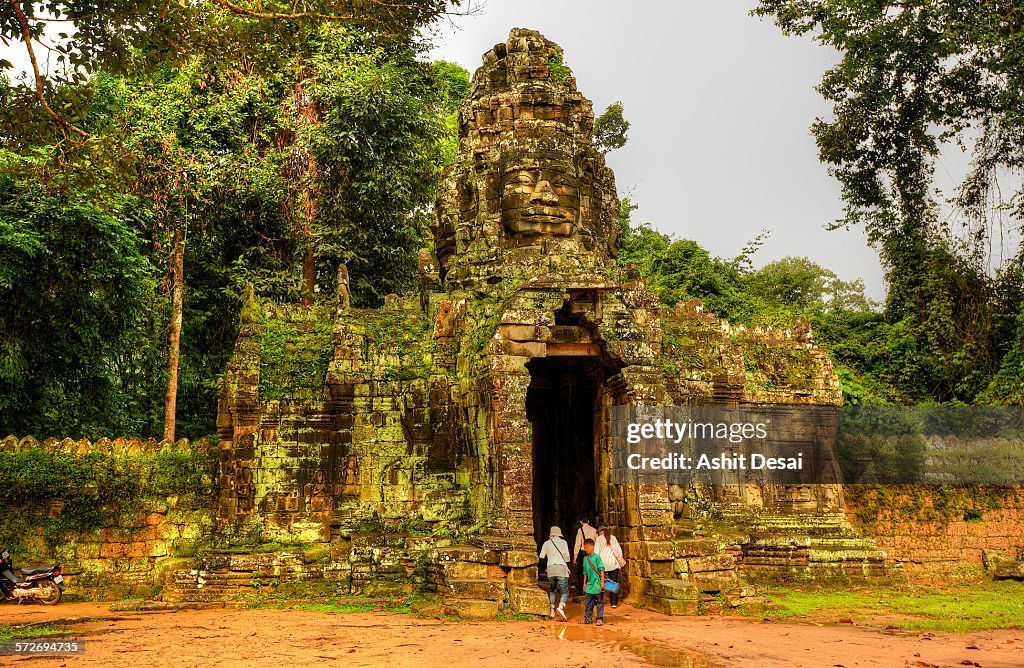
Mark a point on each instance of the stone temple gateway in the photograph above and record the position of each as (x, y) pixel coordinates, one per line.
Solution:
(432, 442)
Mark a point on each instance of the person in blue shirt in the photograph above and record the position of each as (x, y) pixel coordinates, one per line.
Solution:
(593, 583)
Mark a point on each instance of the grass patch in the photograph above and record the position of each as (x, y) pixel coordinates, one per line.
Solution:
(349, 606)
(335, 605)
(947, 608)
(9, 632)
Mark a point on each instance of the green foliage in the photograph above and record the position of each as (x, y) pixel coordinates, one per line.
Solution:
(912, 78)
(294, 357)
(450, 85)
(230, 156)
(135, 37)
(611, 128)
(67, 494)
(795, 286)
(379, 149)
(560, 72)
(75, 297)
(10, 632)
(679, 270)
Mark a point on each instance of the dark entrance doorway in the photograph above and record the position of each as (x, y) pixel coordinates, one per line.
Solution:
(561, 406)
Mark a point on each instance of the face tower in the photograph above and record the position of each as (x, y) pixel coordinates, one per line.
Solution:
(527, 183)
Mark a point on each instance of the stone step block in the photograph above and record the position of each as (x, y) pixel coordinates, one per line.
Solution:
(473, 610)
(672, 589)
(529, 600)
(486, 590)
(670, 606)
(842, 555)
(715, 581)
(695, 547)
(468, 570)
(1010, 570)
(778, 542)
(716, 562)
(470, 553)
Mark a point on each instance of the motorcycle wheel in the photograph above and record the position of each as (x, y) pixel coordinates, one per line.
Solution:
(51, 593)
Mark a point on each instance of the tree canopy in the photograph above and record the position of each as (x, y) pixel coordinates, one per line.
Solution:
(325, 142)
(915, 77)
(611, 128)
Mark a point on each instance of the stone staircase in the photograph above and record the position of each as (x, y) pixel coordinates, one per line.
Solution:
(706, 579)
(476, 582)
(219, 578)
(816, 548)
(230, 576)
(717, 564)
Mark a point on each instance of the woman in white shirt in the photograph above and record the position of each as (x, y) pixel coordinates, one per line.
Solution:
(608, 547)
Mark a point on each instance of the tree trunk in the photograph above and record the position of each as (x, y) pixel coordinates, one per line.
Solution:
(174, 346)
(308, 275)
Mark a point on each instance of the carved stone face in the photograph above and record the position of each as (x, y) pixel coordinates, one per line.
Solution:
(540, 200)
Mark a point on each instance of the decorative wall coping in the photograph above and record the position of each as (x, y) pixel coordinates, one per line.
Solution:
(104, 446)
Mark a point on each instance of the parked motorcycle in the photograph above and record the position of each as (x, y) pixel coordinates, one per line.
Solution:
(36, 583)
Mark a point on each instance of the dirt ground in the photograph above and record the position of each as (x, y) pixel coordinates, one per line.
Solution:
(290, 638)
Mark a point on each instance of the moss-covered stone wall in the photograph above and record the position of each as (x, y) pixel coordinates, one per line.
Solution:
(335, 420)
(116, 514)
(939, 531)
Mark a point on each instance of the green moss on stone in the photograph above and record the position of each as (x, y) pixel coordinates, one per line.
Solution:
(294, 357)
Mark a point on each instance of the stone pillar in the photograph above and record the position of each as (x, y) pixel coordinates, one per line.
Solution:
(646, 508)
(428, 278)
(344, 293)
(238, 413)
(511, 435)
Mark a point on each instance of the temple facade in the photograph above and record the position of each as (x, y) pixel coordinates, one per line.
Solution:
(435, 440)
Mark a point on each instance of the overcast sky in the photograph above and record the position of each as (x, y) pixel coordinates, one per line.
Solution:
(720, 105)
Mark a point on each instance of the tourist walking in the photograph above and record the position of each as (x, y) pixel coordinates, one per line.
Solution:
(555, 551)
(593, 583)
(583, 533)
(607, 547)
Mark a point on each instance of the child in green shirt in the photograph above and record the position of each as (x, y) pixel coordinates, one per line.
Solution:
(593, 583)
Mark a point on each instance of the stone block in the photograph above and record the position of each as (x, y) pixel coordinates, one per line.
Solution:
(696, 547)
(521, 332)
(673, 589)
(531, 349)
(523, 576)
(671, 606)
(718, 562)
(659, 551)
(1009, 570)
(737, 596)
(368, 540)
(517, 559)
(507, 363)
(714, 581)
(465, 570)
(662, 569)
(485, 590)
(529, 600)
(473, 610)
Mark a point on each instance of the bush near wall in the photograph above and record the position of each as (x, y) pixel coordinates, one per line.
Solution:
(115, 513)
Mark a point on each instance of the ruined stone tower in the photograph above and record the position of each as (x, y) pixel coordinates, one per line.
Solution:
(435, 440)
